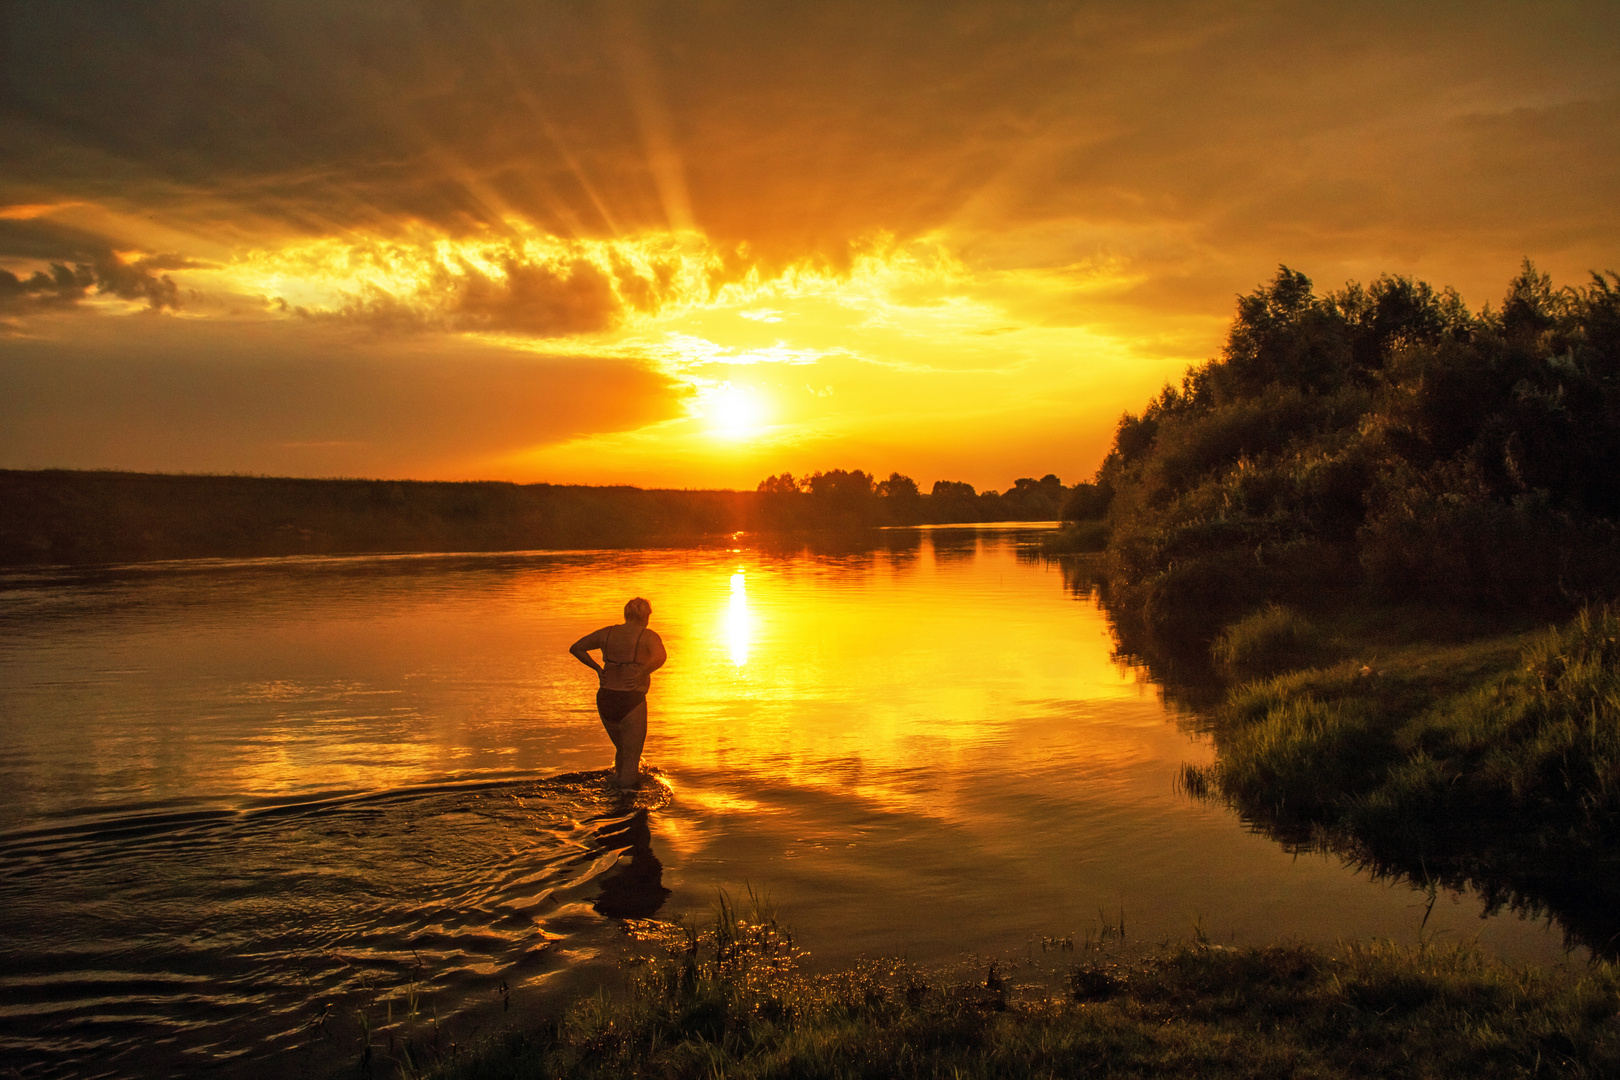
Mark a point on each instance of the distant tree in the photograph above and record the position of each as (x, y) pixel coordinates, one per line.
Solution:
(952, 489)
(840, 485)
(1087, 502)
(784, 484)
(1032, 499)
(898, 487)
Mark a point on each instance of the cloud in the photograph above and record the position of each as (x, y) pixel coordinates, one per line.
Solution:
(66, 285)
(289, 398)
(523, 283)
(1228, 135)
(925, 189)
(80, 265)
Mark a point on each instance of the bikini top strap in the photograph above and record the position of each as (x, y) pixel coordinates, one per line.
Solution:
(635, 650)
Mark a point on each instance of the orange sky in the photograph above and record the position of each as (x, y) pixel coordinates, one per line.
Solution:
(693, 244)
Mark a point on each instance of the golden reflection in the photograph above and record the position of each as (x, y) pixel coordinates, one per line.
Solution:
(739, 622)
(896, 686)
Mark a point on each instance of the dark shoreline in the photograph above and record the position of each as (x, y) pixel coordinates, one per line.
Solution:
(66, 517)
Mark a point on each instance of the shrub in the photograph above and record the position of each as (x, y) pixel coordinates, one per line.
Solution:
(1076, 537)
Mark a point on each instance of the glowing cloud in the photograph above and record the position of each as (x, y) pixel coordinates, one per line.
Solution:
(952, 238)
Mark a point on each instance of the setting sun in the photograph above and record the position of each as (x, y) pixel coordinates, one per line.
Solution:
(732, 412)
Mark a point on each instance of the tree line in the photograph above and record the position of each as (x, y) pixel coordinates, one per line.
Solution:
(67, 516)
(852, 496)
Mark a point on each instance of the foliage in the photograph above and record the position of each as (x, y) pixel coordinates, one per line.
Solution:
(1380, 436)
(1077, 537)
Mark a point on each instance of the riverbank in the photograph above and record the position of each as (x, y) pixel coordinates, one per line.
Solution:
(736, 1002)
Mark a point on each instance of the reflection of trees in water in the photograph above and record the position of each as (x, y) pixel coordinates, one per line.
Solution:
(1577, 892)
(1183, 673)
(951, 545)
(903, 546)
(857, 550)
(634, 888)
(1515, 869)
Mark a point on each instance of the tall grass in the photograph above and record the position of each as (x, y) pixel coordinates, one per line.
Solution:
(1541, 743)
(1349, 746)
(1271, 640)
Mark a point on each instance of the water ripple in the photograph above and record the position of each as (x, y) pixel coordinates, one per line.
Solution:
(144, 942)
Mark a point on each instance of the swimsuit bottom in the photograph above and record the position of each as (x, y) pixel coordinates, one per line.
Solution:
(615, 705)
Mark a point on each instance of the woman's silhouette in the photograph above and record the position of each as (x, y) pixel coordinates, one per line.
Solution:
(630, 654)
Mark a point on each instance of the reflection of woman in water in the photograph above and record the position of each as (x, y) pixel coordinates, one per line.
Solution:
(630, 654)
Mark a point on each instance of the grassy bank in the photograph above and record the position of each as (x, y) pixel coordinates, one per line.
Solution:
(1488, 760)
(736, 1002)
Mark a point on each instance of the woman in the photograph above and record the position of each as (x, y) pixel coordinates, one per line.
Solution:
(630, 654)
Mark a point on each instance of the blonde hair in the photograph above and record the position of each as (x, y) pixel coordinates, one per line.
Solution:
(638, 609)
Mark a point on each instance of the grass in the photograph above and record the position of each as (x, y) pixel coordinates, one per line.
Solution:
(1271, 640)
(735, 1001)
(1512, 725)
(1491, 762)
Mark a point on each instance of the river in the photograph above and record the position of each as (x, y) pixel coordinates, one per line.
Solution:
(248, 803)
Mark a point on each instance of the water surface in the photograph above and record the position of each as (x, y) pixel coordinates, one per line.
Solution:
(250, 802)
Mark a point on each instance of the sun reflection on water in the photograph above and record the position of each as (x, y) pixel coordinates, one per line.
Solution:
(739, 622)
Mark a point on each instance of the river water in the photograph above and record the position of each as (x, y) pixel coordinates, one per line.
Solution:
(258, 814)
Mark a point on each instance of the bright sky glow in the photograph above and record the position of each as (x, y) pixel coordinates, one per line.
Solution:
(651, 244)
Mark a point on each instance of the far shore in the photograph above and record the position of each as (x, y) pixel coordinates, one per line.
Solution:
(66, 517)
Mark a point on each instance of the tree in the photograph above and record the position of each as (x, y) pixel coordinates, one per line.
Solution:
(898, 487)
(781, 485)
(840, 484)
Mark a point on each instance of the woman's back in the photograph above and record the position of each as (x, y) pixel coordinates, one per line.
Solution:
(626, 673)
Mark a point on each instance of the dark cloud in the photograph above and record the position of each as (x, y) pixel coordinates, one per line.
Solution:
(538, 299)
(293, 399)
(80, 265)
(800, 127)
(65, 285)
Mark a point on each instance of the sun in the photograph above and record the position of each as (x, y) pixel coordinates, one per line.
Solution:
(732, 412)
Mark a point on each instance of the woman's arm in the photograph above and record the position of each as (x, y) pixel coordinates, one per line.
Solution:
(581, 649)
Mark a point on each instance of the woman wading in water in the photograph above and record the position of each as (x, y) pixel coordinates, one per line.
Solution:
(630, 654)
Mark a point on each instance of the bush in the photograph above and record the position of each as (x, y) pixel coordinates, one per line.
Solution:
(1382, 435)
(1076, 537)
